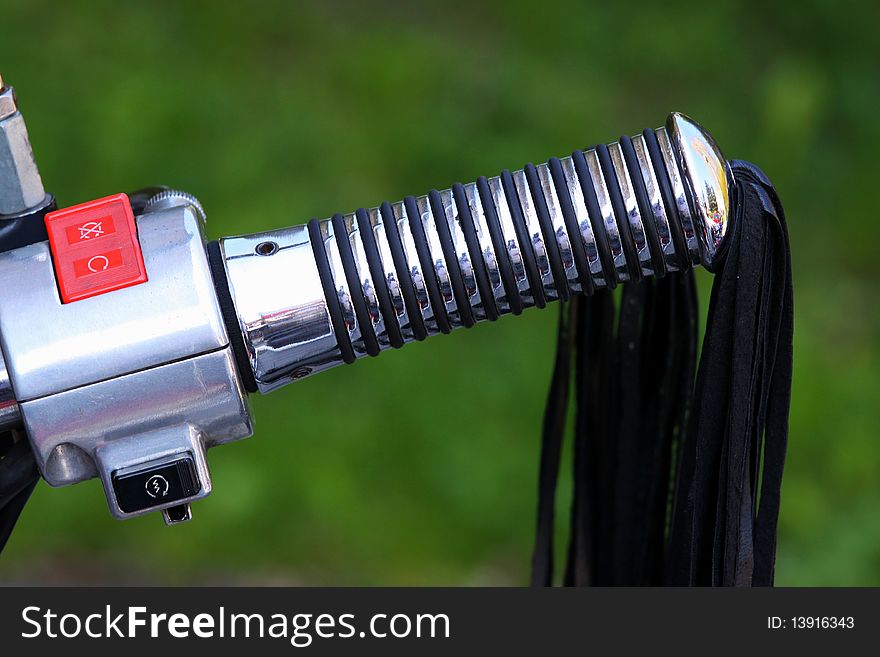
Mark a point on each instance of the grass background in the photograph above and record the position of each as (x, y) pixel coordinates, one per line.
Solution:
(419, 467)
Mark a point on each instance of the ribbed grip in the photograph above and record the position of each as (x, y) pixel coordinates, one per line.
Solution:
(307, 298)
(428, 264)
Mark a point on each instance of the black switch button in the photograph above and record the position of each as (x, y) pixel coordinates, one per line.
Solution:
(150, 486)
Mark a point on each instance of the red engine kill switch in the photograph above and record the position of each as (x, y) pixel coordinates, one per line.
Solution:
(95, 248)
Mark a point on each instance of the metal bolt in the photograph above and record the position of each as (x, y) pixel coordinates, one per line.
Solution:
(21, 187)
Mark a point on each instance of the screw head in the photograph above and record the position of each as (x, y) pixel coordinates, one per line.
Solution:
(266, 248)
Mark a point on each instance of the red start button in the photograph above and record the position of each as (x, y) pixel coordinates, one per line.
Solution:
(95, 248)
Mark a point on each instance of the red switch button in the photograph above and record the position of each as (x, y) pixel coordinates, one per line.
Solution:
(98, 263)
(82, 231)
(95, 248)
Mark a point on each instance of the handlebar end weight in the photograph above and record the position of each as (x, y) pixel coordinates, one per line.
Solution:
(708, 184)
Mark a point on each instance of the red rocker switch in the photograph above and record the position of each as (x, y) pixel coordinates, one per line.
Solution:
(95, 248)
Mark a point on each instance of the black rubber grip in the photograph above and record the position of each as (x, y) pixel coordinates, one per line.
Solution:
(466, 220)
(591, 200)
(398, 256)
(550, 245)
(526, 249)
(453, 270)
(377, 273)
(505, 269)
(343, 338)
(620, 214)
(230, 317)
(349, 266)
(668, 197)
(571, 224)
(426, 261)
(644, 203)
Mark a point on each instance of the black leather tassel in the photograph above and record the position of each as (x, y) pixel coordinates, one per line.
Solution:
(677, 468)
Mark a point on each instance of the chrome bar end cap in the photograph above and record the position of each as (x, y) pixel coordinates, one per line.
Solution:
(708, 181)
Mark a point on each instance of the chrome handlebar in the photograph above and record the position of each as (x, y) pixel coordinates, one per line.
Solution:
(401, 271)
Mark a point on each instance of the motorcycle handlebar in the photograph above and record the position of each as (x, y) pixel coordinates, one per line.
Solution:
(300, 300)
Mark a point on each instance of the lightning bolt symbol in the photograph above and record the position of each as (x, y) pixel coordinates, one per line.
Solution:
(157, 486)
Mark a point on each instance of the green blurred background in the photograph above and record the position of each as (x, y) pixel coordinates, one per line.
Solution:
(420, 467)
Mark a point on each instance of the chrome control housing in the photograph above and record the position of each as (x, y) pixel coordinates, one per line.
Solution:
(137, 375)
